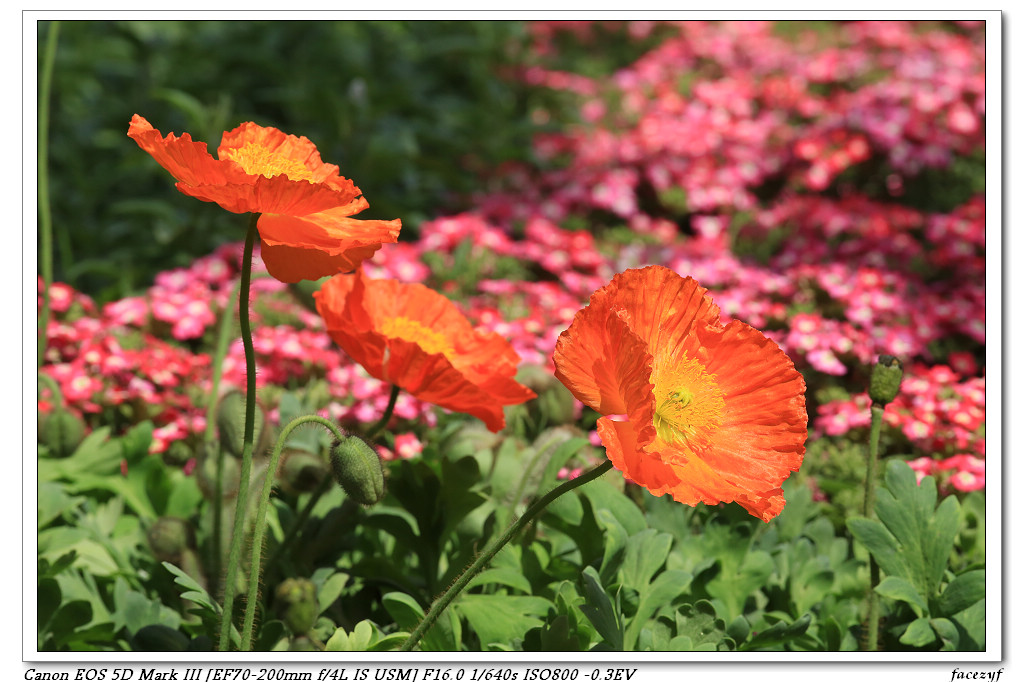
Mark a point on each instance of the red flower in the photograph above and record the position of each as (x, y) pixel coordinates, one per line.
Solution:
(713, 413)
(306, 231)
(415, 338)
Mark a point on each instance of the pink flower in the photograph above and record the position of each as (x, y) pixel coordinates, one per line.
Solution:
(407, 445)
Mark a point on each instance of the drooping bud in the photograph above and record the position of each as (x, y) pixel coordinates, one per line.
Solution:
(301, 471)
(61, 432)
(297, 604)
(885, 380)
(358, 470)
(231, 423)
(169, 537)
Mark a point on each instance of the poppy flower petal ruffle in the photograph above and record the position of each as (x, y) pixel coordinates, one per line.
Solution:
(602, 360)
(761, 439)
(415, 338)
(188, 161)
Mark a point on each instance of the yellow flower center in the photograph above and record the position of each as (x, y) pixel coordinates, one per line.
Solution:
(258, 160)
(411, 330)
(688, 402)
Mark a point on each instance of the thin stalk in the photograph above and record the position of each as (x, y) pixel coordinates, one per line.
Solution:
(219, 353)
(869, 512)
(255, 563)
(388, 411)
(43, 169)
(237, 536)
(484, 558)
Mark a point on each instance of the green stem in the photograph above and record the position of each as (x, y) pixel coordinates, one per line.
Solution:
(484, 558)
(219, 353)
(237, 536)
(43, 152)
(388, 411)
(255, 561)
(869, 512)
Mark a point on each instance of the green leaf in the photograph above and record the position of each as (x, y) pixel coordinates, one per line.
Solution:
(134, 610)
(914, 539)
(329, 591)
(964, 591)
(53, 502)
(970, 624)
(697, 626)
(502, 576)
(603, 495)
(599, 610)
(918, 634)
(778, 634)
(562, 454)
(193, 591)
(947, 631)
(645, 554)
(444, 635)
(499, 619)
(899, 589)
(663, 590)
(733, 587)
(615, 539)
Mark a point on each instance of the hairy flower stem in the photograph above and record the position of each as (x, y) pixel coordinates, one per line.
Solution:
(255, 563)
(238, 533)
(45, 219)
(869, 512)
(485, 557)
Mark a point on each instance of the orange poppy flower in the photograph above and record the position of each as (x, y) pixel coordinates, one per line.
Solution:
(713, 413)
(305, 228)
(415, 338)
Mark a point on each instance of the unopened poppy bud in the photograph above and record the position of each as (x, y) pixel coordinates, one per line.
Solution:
(297, 604)
(61, 432)
(885, 380)
(231, 423)
(357, 470)
(169, 537)
(301, 472)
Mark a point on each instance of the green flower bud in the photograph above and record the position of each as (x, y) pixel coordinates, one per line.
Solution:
(885, 380)
(301, 471)
(297, 604)
(357, 470)
(61, 432)
(169, 537)
(231, 424)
